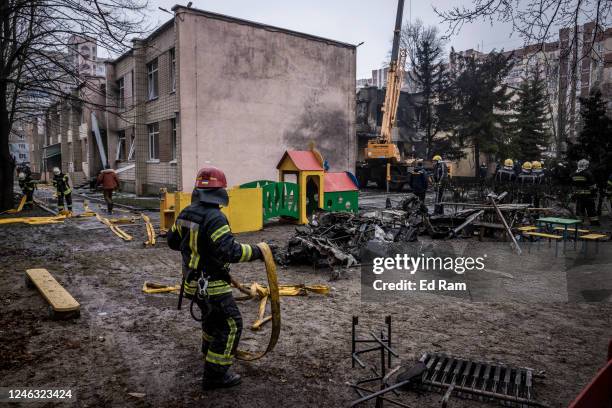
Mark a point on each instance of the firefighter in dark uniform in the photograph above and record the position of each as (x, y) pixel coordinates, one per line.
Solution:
(440, 179)
(585, 190)
(61, 182)
(526, 182)
(27, 186)
(202, 234)
(505, 178)
(608, 193)
(539, 181)
(418, 181)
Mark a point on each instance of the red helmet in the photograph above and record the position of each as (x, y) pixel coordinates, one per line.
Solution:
(210, 177)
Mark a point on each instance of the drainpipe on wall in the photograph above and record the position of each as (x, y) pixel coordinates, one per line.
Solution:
(140, 127)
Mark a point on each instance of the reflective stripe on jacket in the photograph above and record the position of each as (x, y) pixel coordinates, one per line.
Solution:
(202, 234)
(62, 183)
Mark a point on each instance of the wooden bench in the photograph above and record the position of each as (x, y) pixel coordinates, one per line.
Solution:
(550, 238)
(61, 303)
(592, 237)
(527, 228)
(582, 231)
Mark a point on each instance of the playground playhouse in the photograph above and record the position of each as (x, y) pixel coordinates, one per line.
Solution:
(251, 204)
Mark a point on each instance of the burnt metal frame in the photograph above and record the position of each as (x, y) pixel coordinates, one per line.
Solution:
(433, 377)
(383, 346)
(447, 380)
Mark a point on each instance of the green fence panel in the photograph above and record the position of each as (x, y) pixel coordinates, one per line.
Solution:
(342, 201)
(256, 183)
(289, 193)
(280, 199)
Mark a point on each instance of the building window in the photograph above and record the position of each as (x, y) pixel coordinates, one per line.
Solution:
(154, 141)
(120, 145)
(132, 151)
(152, 79)
(22, 146)
(121, 96)
(22, 156)
(173, 69)
(173, 138)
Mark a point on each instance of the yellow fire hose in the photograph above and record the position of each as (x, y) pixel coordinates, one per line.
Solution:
(274, 306)
(153, 287)
(34, 220)
(19, 207)
(116, 230)
(150, 230)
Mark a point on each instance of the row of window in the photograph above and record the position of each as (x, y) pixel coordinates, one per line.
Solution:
(152, 80)
(153, 76)
(153, 143)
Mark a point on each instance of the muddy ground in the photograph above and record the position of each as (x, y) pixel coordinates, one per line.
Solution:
(129, 342)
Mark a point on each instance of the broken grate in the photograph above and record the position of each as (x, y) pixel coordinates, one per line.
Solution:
(510, 386)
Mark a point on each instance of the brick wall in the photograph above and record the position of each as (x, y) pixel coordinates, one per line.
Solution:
(139, 111)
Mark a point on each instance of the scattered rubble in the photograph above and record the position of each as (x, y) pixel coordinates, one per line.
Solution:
(335, 239)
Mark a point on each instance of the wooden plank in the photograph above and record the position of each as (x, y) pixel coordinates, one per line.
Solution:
(543, 235)
(593, 237)
(571, 229)
(58, 297)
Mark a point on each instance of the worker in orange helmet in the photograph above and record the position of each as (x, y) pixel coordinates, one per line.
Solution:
(202, 234)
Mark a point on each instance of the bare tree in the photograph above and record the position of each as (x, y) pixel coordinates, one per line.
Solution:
(36, 64)
(425, 49)
(535, 21)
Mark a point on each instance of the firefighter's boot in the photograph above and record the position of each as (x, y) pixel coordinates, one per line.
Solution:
(228, 379)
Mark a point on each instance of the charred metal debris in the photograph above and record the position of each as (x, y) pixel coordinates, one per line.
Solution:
(438, 372)
(334, 240)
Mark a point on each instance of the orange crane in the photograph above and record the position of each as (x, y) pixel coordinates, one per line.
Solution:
(383, 162)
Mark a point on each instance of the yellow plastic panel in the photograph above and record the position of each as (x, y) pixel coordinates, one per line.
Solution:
(244, 212)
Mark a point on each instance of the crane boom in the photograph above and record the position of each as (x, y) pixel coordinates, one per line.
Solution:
(383, 146)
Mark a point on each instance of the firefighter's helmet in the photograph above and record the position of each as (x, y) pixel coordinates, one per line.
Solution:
(536, 165)
(437, 157)
(583, 164)
(22, 176)
(508, 163)
(210, 177)
(527, 165)
(56, 171)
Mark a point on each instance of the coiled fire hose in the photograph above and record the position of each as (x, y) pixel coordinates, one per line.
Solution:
(274, 306)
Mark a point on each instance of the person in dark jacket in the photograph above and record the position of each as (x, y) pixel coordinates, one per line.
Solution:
(585, 190)
(202, 234)
(61, 182)
(109, 182)
(526, 181)
(418, 181)
(483, 170)
(505, 179)
(440, 179)
(27, 186)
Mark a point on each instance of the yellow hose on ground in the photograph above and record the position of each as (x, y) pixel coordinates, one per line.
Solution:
(19, 207)
(274, 306)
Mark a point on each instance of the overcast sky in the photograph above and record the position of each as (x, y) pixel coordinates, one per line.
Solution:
(351, 21)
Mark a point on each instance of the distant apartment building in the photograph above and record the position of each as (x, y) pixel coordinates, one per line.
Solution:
(19, 147)
(206, 88)
(83, 52)
(26, 142)
(379, 80)
(570, 68)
